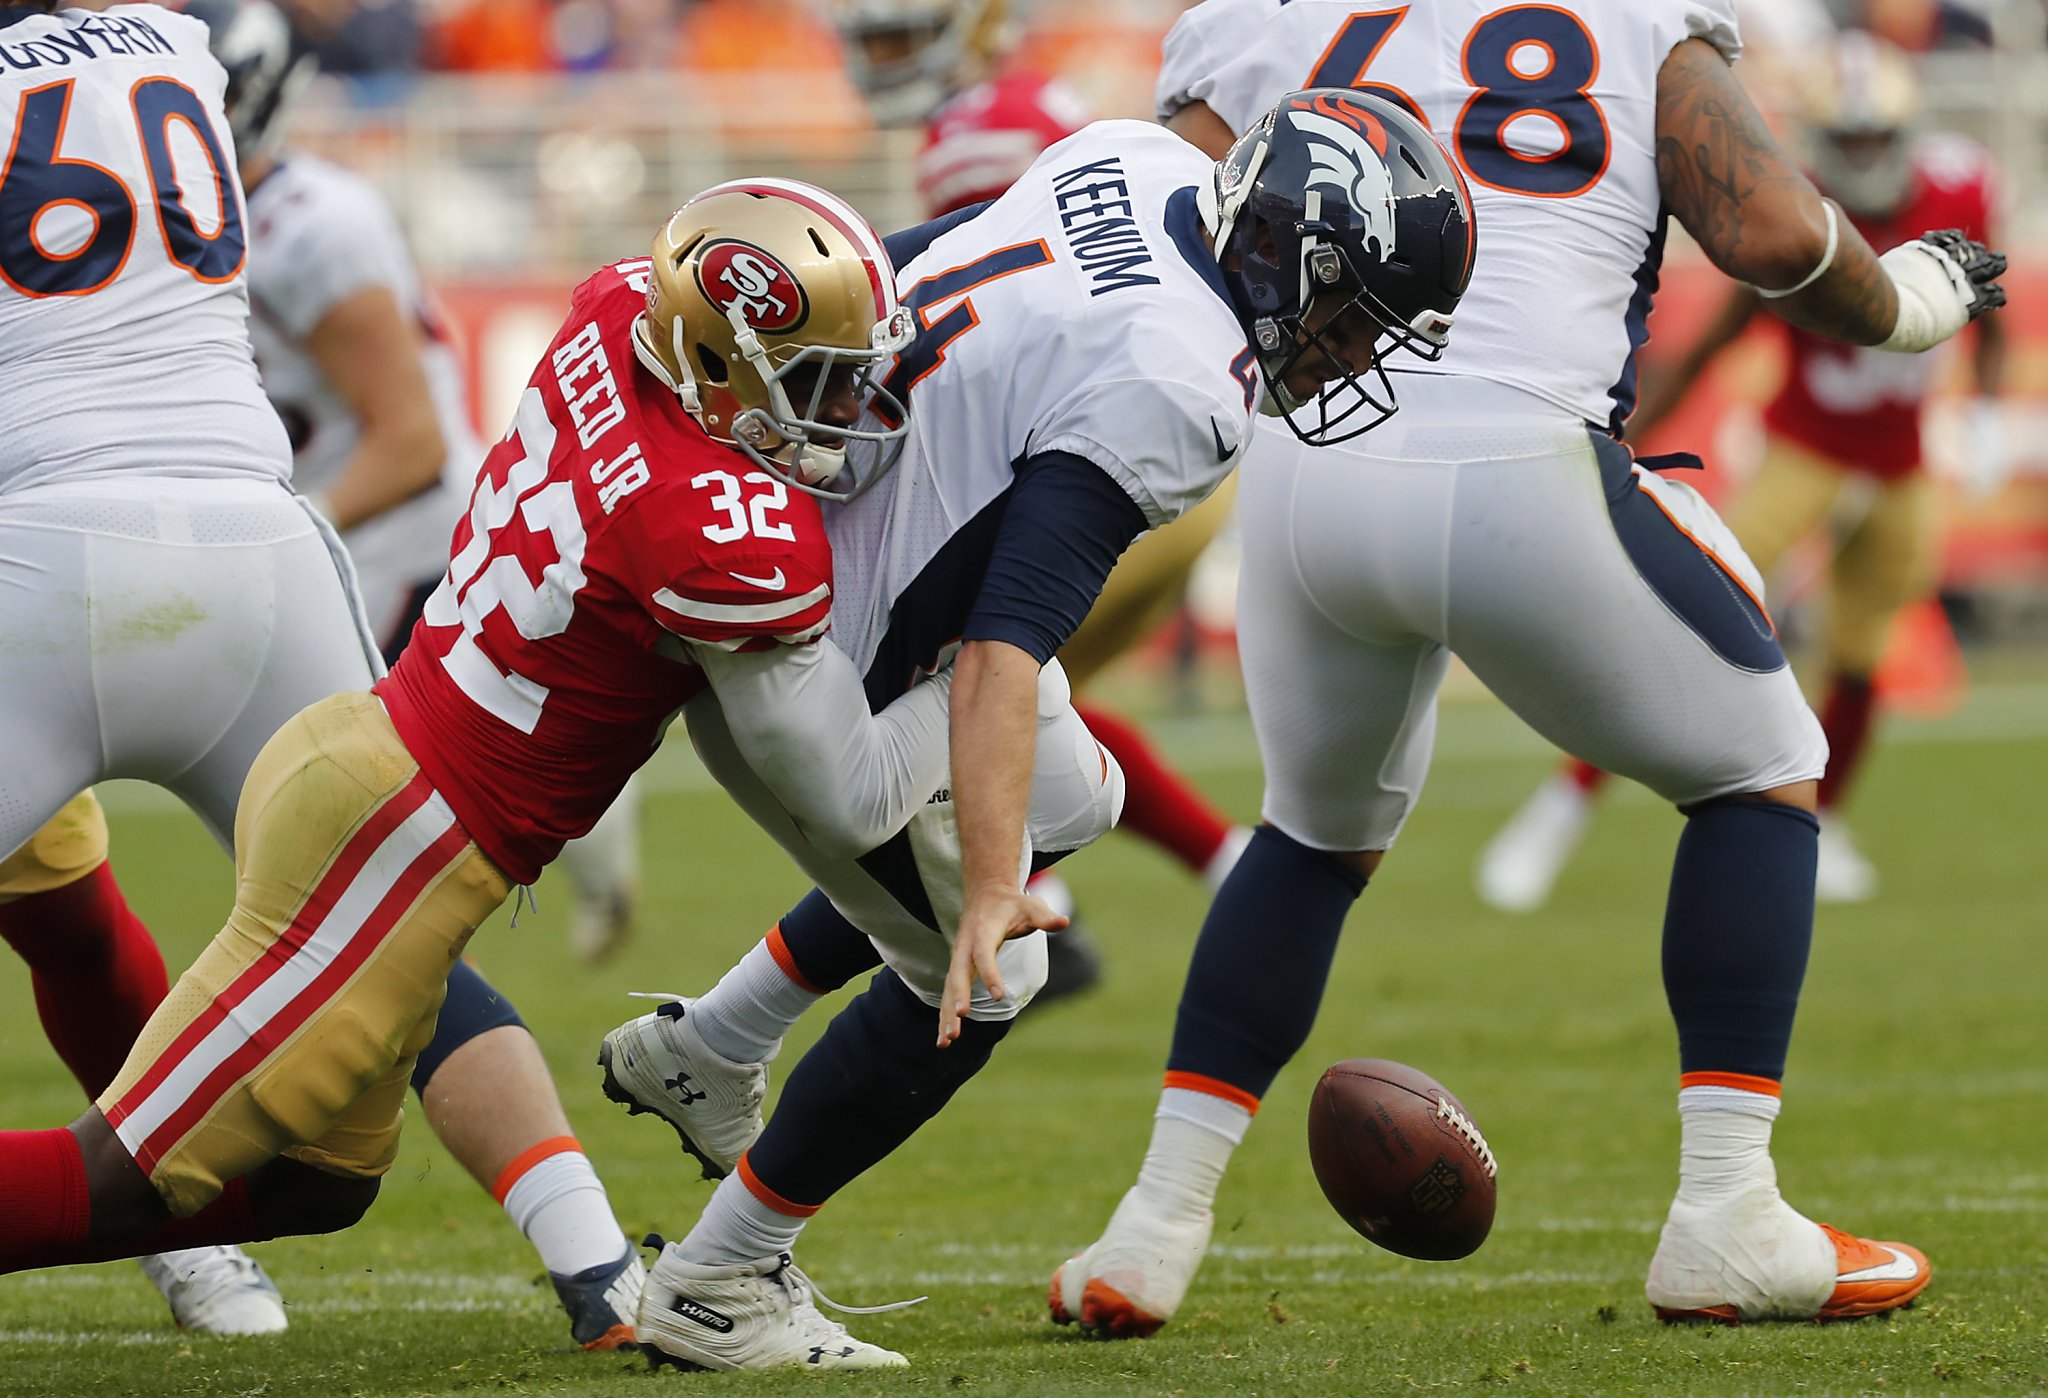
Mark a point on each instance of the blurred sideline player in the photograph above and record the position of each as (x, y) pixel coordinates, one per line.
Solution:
(1842, 456)
(949, 64)
(1085, 370)
(482, 1080)
(615, 559)
(1606, 605)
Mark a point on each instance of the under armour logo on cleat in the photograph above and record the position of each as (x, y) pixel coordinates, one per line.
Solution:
(818, 1353)
(679, 1087)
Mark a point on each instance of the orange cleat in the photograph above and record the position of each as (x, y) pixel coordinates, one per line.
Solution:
(1870, 1279)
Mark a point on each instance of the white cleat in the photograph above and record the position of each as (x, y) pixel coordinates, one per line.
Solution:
(1754, 1257)
(1520, 865)
(1842, 874)
(1131, 1280)
(217, 1290)
(754, 1315)
(659, 1063)
(602, 924)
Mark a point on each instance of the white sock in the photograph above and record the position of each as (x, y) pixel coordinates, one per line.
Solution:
(1724, 1143)
(744, 1016)
(737, 1227)
(1193, 1135)
(1225, 859)
(558, 1202)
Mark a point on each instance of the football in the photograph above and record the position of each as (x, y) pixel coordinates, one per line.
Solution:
(1398, 1156)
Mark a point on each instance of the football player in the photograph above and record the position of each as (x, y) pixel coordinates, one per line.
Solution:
(328, 256)
(1502, 515)
(1090, 351)
(951, 65)
(625, 547)
(1846, 421)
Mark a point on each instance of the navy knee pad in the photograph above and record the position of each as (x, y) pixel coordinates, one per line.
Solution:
(1737, 931)
(473, 1006)
(870, 1081)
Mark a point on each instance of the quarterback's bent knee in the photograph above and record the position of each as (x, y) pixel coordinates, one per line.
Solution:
(290, 1197)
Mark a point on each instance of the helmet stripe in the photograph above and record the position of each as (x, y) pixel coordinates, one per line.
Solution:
(842, 216)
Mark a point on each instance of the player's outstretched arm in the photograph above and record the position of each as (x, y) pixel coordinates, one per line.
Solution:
(1761, 221)
(799, 715)
(369, 351)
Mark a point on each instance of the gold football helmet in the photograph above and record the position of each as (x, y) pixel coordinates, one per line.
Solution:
(765, 294)
(1861, 105)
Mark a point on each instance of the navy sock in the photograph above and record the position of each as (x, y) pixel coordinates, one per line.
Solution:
(828, 950)
(870, 1081)
(1261, 963)
(1736, 934)
(473, 1006)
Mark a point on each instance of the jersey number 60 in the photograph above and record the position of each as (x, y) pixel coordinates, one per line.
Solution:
(38, 180)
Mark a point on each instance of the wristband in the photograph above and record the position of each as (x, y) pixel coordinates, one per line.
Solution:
(1827, 258)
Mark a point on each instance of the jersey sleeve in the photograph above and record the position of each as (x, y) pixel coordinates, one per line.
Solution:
(1167, 433)
(749, 595)
(1714, 21)
(1221, 53)
(346, 242)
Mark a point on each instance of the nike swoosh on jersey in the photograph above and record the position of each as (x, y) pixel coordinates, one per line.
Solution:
(1223, 453)
(1900, 1268)
(774, 582)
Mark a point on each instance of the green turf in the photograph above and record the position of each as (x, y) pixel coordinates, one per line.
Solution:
(1915, 1110)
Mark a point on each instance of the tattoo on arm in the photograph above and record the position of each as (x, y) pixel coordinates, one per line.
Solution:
(1725, 178)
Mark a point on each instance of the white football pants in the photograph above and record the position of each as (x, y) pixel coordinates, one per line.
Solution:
(1077, 793)
(1607, 606)
(162, 628)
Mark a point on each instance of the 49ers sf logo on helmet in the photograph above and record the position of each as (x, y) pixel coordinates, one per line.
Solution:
(732, 274)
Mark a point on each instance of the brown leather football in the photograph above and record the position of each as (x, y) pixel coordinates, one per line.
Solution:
(1398, 1156)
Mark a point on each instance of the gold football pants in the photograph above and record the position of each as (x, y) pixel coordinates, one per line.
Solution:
(71, 844)
(1887, 558)
(294, 1033)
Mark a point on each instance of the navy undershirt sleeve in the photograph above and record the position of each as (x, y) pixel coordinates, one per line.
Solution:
(909, 243)
(1066, 526)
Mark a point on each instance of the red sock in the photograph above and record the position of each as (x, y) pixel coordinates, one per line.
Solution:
(1585, 776)
(97, 972)
(1158, 802)
(1845, 717)
(228, 1219)
(45, 1209)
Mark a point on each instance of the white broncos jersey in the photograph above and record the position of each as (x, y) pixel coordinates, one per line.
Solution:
(1082, 312)
(1549, 109)
(320, 234)
(124, 345)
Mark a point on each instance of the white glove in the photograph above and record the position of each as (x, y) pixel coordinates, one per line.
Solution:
(1987, 458)
(1944, 281)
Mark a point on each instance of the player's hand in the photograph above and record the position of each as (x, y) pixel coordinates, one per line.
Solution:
(991, 917)
(1973, 268)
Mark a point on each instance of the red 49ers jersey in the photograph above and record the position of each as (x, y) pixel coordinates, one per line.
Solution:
(606, 529)
(977, 144)
(1858, 406)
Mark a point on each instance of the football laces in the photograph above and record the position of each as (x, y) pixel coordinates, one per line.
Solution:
(1462, 1124)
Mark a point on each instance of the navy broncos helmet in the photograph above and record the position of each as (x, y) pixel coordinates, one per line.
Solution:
(266, 71)
(1345, 232)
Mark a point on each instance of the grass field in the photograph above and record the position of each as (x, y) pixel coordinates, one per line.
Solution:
(1917, 1107)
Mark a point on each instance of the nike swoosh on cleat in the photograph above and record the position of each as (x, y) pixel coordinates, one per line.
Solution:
(774, 582)
(1223, 453)
(1900, 1268)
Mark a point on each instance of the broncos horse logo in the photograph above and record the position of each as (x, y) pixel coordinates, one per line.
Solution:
(1347, 145)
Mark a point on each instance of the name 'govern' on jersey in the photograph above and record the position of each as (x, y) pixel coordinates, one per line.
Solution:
(1082, 312)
